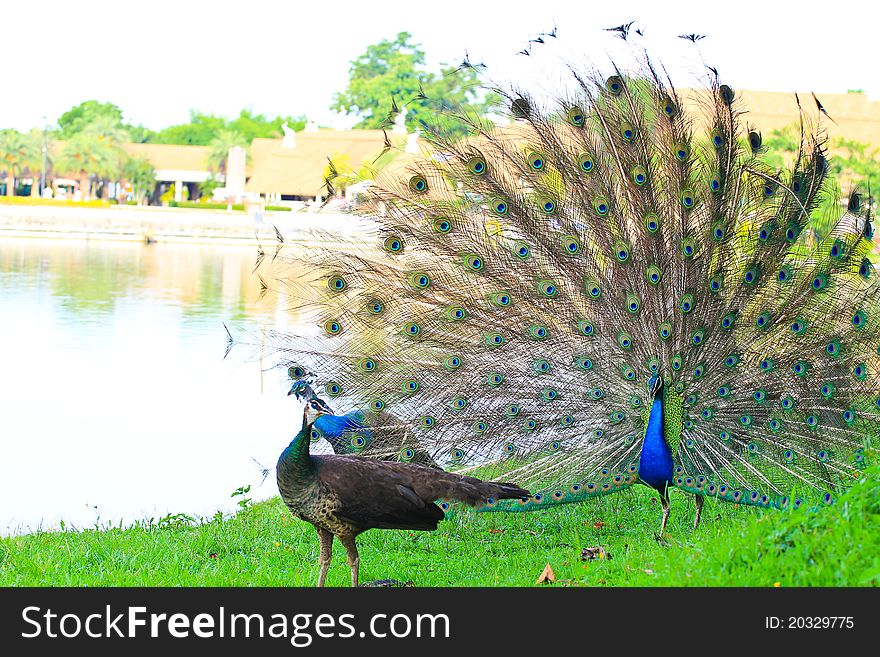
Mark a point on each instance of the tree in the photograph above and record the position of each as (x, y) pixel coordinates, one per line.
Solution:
(140, 173)
(12, 153)
(32, 160)
(203, 128)
(219, 148)
(94, 152)
(80, 117)
(394, 70)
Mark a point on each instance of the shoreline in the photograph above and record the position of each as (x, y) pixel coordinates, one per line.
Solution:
(161, 224)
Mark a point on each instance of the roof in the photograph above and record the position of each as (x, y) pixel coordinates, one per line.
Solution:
(857, 117)
(172, 156)
(299, 171)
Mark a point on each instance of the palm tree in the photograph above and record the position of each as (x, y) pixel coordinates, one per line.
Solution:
(220, 145)
(12, 156)
(33, 158)
(97, 151)
(142, 176)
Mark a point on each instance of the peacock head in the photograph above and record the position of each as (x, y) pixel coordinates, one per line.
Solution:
(301, 389)
(655, 386)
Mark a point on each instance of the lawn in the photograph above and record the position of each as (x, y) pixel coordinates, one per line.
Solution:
(263, 545)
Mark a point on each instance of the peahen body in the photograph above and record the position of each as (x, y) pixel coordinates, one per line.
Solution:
(609, 291)
(345, 496)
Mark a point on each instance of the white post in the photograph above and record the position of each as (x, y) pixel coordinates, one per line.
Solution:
(178, 191)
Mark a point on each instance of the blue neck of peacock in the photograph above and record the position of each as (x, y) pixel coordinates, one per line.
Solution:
(655, 461)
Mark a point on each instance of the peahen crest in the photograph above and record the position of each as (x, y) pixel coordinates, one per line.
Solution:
(516, 290)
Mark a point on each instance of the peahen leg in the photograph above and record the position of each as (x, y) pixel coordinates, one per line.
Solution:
(354, 560)
(664, 502)
(325, 555)
(699, 500)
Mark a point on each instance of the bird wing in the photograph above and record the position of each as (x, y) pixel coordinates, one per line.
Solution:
(375, 494)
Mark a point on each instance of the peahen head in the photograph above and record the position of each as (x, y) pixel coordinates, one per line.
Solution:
(315, 408)
(655, 386)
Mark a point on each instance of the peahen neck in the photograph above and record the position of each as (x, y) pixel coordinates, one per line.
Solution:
(295, 459)
(655, 461)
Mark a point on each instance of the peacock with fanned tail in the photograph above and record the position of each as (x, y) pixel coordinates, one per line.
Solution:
(610, 291)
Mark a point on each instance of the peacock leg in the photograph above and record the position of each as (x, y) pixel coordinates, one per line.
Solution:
(325, 555)
(354, 560)
(699, 500)
(664, 502)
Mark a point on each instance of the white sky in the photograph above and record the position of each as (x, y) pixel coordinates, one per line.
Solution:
(158, 59)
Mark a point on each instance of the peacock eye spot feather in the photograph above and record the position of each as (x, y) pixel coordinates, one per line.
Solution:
(336, 283)
(576, 117)
(665, 330)
(627, 132)
(474, 262)
(652, 223)
(538, 332)
(333, 327)
(536, 161)
(547, 289)
(687, 303)
(500, 207)
(586, 162)
(614, 85)
(441, 226)
(717, 139)
(586, 328)
(494, 339)
(600, 205)
(688, 248)
(494, 379)
(548, 206)
(859, 319)
(727, 94)
(333, 389)
(418, 184)
(393, 244)
(688, 200)
(296, 372)
(571, 245)
(520, 108)
(755, 141)
(669, 107)
(477, 165)
(715, 183)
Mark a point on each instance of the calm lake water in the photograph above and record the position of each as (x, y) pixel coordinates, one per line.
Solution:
(117, 404)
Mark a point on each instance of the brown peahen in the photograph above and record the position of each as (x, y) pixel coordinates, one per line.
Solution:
(613, 289)
(345, 496)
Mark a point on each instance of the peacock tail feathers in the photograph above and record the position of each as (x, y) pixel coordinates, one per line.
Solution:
(512, 292)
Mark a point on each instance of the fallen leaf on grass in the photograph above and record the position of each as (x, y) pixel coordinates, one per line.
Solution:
(597, 552)
(496, 531)
(649, 572)
(548, 576)
(598, 524)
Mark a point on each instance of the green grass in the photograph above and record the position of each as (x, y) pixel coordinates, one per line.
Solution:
(264, 546)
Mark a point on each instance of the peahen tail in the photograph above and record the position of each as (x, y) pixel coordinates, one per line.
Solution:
(516, 289)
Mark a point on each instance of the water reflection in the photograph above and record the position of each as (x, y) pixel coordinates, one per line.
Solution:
(116, 401)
